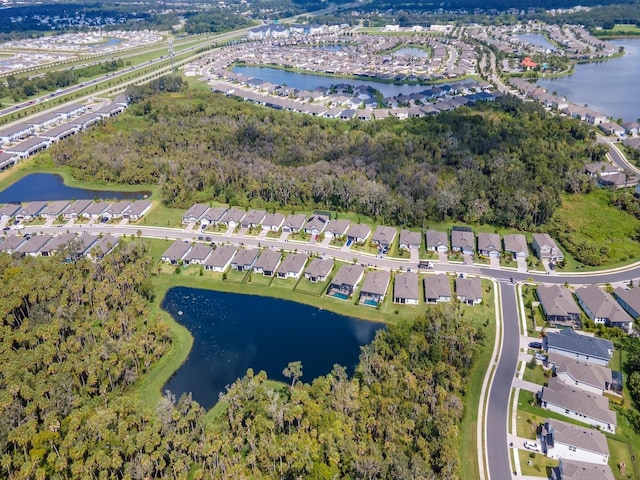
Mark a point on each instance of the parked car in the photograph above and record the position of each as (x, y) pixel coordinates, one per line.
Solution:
(6, 228)
(531, 445)
(536, 345)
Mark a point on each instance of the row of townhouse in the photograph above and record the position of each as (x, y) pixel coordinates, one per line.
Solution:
(132, 210)
(620, 309)
(490, 244)
(69, 244)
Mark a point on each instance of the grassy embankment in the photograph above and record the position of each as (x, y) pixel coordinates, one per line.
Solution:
(619, 30)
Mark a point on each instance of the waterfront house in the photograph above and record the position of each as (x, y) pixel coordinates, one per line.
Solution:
(573, 442)
(95, 210)
(220, 258)
(469, 290)
(244, 259)
(346, 281)
(267, 262)
(30, 211)
(176, 252)
(602, 308)
(406, 288)
(558, 305)
(318, 269)
(75, 209)
(137, 209)
(437, 241)
(576, 345)
(7, 160)
(546, 248)
(197, 254)
(116, 210)
(292, 265)
(28, 147)
(9, 211)
(54, 209)
(437, 288)
(374, 287)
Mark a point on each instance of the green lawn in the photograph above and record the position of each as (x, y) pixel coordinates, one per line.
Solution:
(163, 216)
(619, 452)
(311, 288)
(535, 464)
(258, 280)
(535, 374)
(234, 275)
(534, 314)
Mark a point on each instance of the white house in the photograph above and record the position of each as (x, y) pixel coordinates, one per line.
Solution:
(565, 440)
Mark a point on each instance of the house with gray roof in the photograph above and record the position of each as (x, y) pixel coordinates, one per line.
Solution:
(294, 223)
(83, 244)
(574, 470)
(546, 248)
(76, 208)
(60, 132)
(463, 241)
(176, 252)
(198, 254)
(346, 281)
(558, 305)
(116, 210)
(337, 228)
(267, 262)
(137, 209)
(103, 245)
(195, 213)
(233, 217)
(213, 216)
(573, 442)
(575, 345)
(406, 288)
(28, 147)
(11, 243)
(58, 243)
(54, 209)
(579, 405)
(16, 132)
(253, 218)
(603, 309)
(33, 245)
(292, 265)
(384, 236)
(318, 269)
(437, 241)
(30, 210)
(273, 221)
(629, 300)
(244, 259)
(9, 211)
(374, 287)
(220, 258)
(316, 224)
(437, 288)
(409, 240)
(489, 244)
(469, 290)
(95, 210)
(516, 245)
(587, 376)
(359, 232)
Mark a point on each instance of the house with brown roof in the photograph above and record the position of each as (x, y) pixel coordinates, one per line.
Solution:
(437, 241)
(292, 265)
(345, 281)
(220, 258)
(573, 442)
(267, 262)
(437, 288)
(409, 240)
(374, 287)
(558, 305)
(406, 288)
(244, 259)
(318, 269)
(587, 376)
(469, 290)
(546, 248)
(516, 244)
(489, 244)
(579, 405)
(384, 236)
(602, 308)
(359, 232)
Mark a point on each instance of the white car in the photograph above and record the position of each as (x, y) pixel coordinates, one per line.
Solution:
(531, 445)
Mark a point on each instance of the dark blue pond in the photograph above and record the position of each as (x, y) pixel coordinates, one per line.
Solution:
(234, 332)
(48, 187)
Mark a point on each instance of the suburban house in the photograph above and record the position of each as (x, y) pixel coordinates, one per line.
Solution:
(346, 281)
(11, 243)
(629, 299)
(558, 305)
(601, 169)
(318, 269)
(469, 290)
(28, 147)
(75, 209)
(198, 254)
(7, 160)
(578, 404)
(575, 345)
(516, 244)
(116, 210)
(294, 223)
(437, 288)
(95, 210)
(374, 287)
(57, 243)
(579, 373)
(437, 241)
(33, 245)
(220, 258)
(244, 259)
(602, 308)
(292, 265)
(337, 228)
(565, 440)
(176, 252)
(30, 211)
(267, 262)
(102, 246)
(406, 288)
(54, 209)
(8, 211)
(273, 221)
(213, 216)
(253, 218)
(233, 217)
(316, 224)
(574, 470)
(545, 247)
(409, 240)
(358, 233)
(489, 245)
(384, 236)
(463, 240)
(137, 209)
(83, 244)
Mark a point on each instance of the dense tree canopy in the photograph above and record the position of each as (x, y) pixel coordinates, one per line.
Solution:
(505, 164)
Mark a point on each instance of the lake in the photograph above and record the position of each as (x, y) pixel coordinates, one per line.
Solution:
(610, 87)
(309, 81)
(49, 187)
(410, 52)
(536, 39)
(234, 332)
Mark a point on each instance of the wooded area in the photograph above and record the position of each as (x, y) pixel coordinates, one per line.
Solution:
(504, 164)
